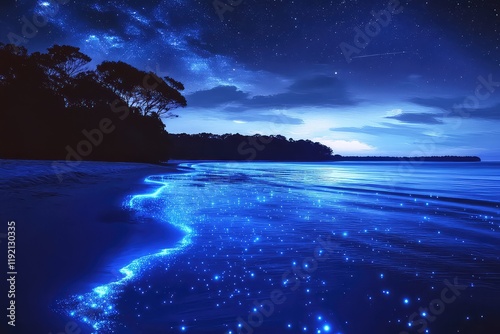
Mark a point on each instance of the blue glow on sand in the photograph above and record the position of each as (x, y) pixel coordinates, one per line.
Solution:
(98, 307)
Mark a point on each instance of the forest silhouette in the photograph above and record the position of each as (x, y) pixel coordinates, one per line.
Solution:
(55, 108)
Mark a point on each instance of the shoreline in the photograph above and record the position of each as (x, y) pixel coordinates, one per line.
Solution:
(87, 233)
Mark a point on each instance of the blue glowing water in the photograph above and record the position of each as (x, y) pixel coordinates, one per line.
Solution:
(312, 248)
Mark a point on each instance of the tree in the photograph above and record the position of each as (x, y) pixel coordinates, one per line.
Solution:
(87, 93)
(67, 60)
(51, 104)
(17, 67)
(142, 90)
(62, 64)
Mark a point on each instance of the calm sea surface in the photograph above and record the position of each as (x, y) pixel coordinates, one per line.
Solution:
(312, 248)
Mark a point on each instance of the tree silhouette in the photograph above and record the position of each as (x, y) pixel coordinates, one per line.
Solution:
(208, 146)
(62, 64)
(64, 61)
(144, 91)
(51, 104)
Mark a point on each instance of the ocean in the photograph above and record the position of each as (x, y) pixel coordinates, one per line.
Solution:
(311, 248)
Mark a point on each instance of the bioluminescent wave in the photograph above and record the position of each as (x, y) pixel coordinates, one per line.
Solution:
(311, 248)
(98, 307)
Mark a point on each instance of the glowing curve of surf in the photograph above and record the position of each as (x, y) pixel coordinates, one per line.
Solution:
(98, 307)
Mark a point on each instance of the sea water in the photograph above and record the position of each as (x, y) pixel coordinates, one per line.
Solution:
(312, 248)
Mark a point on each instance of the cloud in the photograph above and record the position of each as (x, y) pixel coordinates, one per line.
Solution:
(345, 146)
(491, 113)
(442, 103)
(457, 107)
(216, 97)
(385, 129)
(266, 117)
(318, 91)
(414, 77)
(393, 112)
(319, 83)
(417, 118)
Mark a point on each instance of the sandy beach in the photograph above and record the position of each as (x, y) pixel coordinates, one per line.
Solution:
(269, 247)
(72, 231)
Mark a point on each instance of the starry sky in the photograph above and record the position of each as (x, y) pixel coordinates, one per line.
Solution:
(363, 77)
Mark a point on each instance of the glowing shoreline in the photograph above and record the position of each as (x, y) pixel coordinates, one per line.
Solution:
(97, 308)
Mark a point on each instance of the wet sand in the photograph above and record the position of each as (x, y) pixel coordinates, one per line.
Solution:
(74, 234)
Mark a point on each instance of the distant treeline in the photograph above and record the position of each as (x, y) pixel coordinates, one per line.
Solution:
(236, 147)
(410, 159)
(53, 107)
(207, 146)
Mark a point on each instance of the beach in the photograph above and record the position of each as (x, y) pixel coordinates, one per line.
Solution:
(74, 233)
(222, 247)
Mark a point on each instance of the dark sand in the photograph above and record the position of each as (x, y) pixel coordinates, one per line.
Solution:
(74, 235)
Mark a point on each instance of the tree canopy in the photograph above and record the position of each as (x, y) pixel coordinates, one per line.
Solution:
(55, 107)
(50, 100)
(144, 91)
(208, 146)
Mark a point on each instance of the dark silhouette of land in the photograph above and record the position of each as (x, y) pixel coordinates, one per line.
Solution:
(54, 108)
(207, 146)
(411, 159)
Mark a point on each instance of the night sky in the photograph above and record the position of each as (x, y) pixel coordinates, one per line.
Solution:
(423, 80)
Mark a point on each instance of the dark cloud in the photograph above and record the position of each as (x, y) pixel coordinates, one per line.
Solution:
(320, 83)
(417, 118)
(293, 100)
(319, 91)
(216, 97)
(272, 118)
(458, 107)
(491, 113)
(385, 129)
(441, 103)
